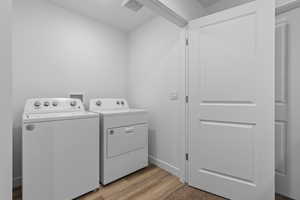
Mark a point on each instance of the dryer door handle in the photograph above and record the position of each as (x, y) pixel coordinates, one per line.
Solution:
(129, 130)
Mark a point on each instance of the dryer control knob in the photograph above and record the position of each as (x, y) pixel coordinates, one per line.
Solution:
(46, 104)
(73, 103)
(55, 103)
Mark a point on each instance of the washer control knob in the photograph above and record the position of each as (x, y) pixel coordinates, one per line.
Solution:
(118, 102)
(30, 127)
(98, 103)
(46, 103)
(37, 104)
(73, 103)
(122, 102)
(55, 103)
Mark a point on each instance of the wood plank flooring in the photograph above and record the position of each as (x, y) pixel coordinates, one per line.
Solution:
(151, 183)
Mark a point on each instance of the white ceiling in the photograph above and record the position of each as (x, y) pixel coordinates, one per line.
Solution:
(112, 13)
(108, 11)
(207, 3)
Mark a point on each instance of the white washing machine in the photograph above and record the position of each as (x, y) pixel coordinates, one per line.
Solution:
(123, 138)
(60, 149)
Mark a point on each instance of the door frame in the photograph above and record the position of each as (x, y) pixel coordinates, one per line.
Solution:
(6, 139)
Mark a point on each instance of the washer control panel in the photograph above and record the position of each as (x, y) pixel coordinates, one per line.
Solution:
(108, 104)
(48, 105)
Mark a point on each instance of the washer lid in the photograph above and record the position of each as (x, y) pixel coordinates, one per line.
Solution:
(46, 117)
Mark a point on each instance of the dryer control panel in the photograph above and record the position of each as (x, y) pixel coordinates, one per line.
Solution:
(104, 104)
(50, 105)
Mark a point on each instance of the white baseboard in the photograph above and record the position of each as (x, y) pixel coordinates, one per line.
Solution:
(17, 182)
(164, 165)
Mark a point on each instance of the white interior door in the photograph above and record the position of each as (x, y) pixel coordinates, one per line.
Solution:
(281, 108)
(287, 104)
(231, 88)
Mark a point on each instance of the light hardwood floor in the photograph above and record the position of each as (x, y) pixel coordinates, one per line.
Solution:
(151, 183)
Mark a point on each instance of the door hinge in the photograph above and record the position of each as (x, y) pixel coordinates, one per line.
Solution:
(186, 156)
(186, 99)
(187, 42)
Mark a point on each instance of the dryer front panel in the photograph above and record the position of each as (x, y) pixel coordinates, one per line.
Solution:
(126, 139)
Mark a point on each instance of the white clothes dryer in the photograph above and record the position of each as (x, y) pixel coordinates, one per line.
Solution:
(123, 138)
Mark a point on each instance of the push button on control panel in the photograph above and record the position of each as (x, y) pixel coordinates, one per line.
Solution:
(37, 104)
(54, 103)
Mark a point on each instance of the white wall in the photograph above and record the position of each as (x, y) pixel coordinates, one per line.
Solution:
(155, 71)
(5, 101)
(293, 68)
(56, 52)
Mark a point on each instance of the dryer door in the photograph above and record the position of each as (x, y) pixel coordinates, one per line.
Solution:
(122, 140)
